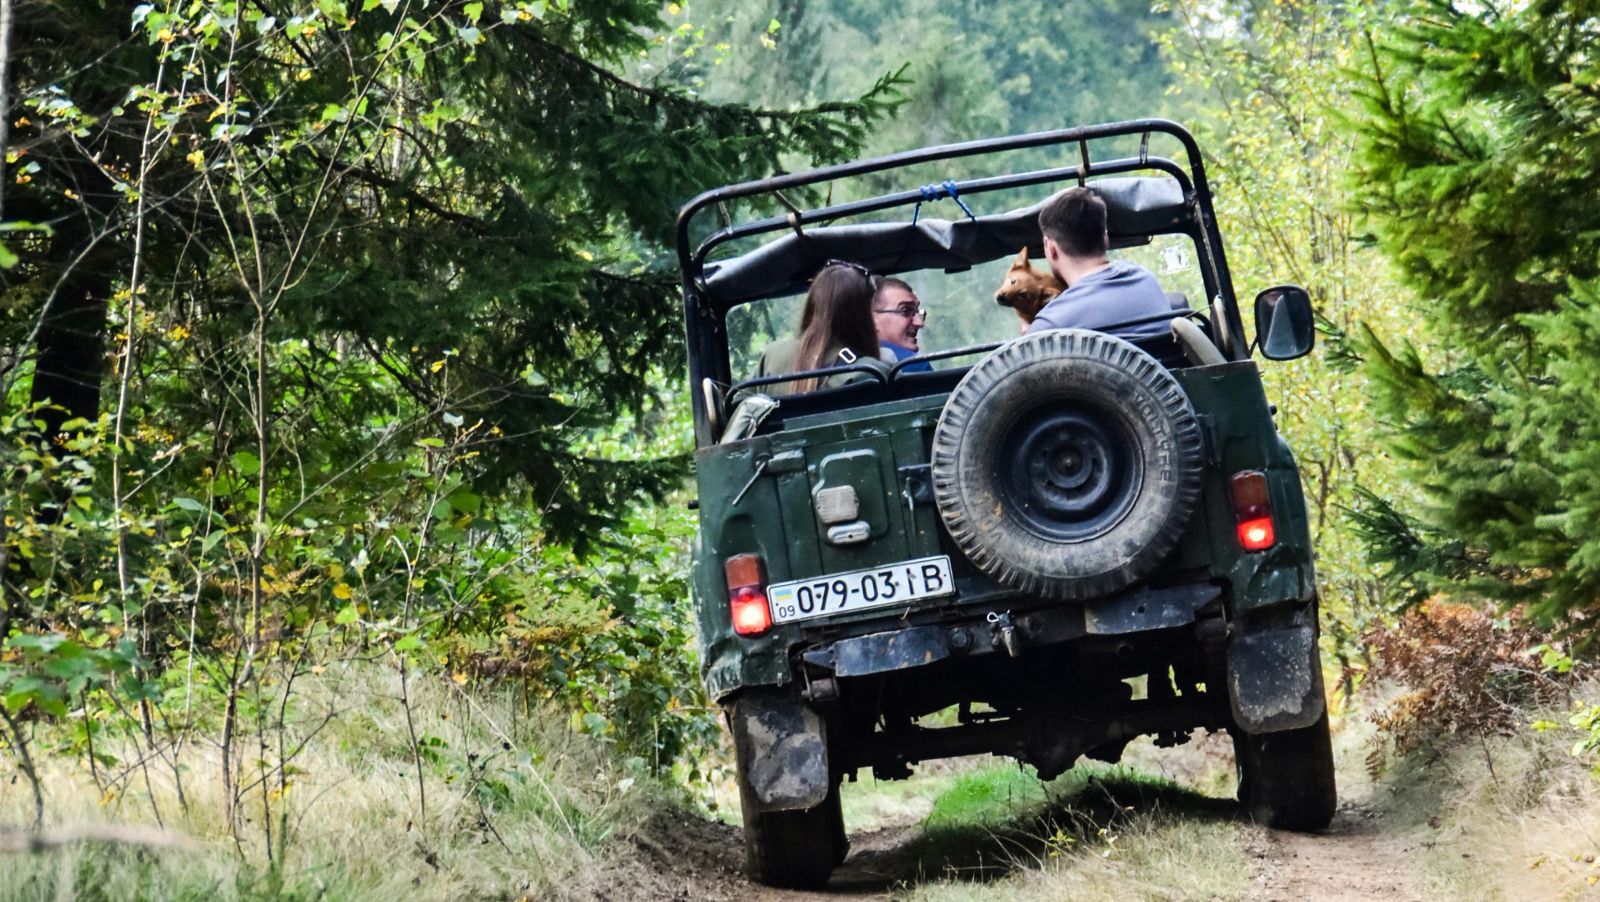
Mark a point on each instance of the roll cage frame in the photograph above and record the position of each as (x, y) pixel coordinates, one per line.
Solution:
(705, 322)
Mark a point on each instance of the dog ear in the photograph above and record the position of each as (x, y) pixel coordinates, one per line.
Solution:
(1022, 258)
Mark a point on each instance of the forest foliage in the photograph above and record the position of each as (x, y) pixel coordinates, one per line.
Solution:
(347, 332)
(1269, 87)
(346, 342)
(1479, 138)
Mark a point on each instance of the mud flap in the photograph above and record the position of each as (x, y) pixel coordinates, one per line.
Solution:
(781, 750)
(1275, 679)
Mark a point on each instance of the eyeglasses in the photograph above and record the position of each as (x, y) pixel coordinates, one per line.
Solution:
(851, 265)
(909, 311)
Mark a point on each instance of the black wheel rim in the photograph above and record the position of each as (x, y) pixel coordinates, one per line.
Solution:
(1070, 471)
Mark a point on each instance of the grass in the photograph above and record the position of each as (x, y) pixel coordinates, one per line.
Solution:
(519, 807)
(987, 798)
(1096, 832)
(871, 804)
(516, 805)
(1510, 817)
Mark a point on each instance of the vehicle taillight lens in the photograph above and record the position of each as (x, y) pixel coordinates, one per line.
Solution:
(747, 594)
(1252, 510)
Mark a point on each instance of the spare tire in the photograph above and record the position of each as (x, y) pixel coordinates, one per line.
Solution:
(1067, 463)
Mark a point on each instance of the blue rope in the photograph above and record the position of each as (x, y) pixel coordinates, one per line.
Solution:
(946, 188)
(950, 189)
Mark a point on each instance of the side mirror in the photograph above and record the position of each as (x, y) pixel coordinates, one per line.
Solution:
(1284, 327)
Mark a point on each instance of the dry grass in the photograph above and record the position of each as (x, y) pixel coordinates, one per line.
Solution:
(514, 806)
(1157, 856)
(1514, 817)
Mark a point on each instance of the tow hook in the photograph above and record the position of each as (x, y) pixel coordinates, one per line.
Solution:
(1007, 631)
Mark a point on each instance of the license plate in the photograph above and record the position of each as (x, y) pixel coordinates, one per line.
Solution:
(891, 584)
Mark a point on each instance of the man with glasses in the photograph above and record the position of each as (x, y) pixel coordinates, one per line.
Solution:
(898, 317)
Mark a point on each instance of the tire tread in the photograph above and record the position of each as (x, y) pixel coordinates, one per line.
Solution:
(1092, 349)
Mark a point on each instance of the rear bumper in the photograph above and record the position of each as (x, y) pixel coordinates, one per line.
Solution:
(874, 677)
(1003, 632)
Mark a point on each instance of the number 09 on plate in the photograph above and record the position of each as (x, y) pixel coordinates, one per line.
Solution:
(890, 584)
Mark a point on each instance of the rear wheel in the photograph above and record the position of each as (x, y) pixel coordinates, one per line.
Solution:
(792, 849)
(1286, 778)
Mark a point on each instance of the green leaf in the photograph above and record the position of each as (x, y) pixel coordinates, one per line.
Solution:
(347, 615)
(473, 11)
(246, 463)
(38, 644)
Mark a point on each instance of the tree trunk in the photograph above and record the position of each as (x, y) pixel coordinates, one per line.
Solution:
(70, 362)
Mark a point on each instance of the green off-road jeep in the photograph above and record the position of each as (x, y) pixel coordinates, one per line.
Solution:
(1044, 547)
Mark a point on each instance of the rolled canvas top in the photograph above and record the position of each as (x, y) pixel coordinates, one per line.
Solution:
(1135, 207)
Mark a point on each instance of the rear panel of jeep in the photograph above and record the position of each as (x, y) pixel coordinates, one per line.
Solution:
(761, 497)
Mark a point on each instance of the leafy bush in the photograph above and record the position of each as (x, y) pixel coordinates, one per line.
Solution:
(1587, 721)
(608, 639)
(1463, 672)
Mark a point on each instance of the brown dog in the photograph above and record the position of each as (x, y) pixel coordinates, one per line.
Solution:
(1026, 290)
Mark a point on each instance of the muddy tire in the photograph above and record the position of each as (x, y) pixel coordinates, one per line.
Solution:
(1067, 463)
(793, 849)
(1286, 778)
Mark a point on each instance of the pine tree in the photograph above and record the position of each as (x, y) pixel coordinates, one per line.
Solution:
(471, 196)
(1478, 167)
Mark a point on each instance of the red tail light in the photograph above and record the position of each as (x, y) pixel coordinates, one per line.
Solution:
(747, 594)
(1257, 534)
(1252, 510)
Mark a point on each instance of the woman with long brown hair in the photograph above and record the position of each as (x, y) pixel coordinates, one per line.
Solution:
(836, 329)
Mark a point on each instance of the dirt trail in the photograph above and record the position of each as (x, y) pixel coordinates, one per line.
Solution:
(1354, 860)
(686, 858)
(679, 856)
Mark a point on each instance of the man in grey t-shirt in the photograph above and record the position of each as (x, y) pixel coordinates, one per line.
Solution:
(1099, 293)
